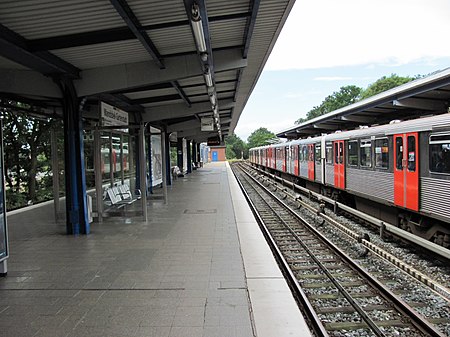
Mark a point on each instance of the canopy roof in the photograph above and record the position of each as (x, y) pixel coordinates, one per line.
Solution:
(142, 56)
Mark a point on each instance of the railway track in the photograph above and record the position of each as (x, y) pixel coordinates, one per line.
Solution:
(339, 297)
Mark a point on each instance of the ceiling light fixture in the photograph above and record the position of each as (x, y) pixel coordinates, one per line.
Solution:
(197, 28)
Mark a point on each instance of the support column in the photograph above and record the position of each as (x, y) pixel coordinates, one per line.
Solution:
(149, 163)
(189, 156)
(142, 171)
(194, 153)
(180, 154)
(166, 158)
(76, 209)
(164, 165)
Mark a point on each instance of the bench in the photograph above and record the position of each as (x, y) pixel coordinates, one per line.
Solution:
(120, 196)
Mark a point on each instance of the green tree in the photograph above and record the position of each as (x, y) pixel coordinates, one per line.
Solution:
(236, 147)
(385, 83)
(345, 96)
(259, 137)
(26, 153)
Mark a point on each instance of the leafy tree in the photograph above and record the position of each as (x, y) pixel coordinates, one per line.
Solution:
(26, 152)
(385, 83)
(259, 137)
(236, 147)
(345, 96)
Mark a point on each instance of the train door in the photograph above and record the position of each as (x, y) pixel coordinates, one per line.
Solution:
(339, 165)
(406, 170)
(294, 159)
(311, 161)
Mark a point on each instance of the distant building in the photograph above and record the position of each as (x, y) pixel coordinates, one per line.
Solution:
(217, 153)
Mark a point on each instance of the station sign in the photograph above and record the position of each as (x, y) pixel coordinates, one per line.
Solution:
(213, 141)
(207, 124)
(112, 116)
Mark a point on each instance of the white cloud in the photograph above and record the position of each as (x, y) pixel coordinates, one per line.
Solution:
(329, 33)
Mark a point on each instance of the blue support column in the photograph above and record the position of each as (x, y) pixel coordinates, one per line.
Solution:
(138, 166)
(76, 208)
(189, 157)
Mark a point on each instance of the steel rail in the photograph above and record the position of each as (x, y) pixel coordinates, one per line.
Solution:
(417, 320)
(307, 308)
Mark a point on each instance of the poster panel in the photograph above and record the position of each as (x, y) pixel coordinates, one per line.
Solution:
(156, 160)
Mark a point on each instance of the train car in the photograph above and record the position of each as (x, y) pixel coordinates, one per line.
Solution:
(280, 156)
(404, 167)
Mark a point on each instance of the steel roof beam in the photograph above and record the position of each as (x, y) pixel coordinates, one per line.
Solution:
(153, 114)
(250, 27)
(132, 22)
(156, 99)
(123, 76)
(112, 34)
(357, 119)
(181, 92)
(420, 103)
(15, 48)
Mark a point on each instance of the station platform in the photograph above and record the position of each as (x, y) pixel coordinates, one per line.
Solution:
(198, 267)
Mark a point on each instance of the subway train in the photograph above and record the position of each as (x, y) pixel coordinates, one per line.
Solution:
(399, 172)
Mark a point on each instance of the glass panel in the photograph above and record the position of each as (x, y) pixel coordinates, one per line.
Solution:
(341, 153)
(329, 153)
(353, 153)
(399, 151)
(440, 154)
(365, 153)
(318, 153)
(411, 153)
(105, 151)
(382, 153)
(336, 153)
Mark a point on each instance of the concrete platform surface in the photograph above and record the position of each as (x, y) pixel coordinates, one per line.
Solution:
(179, 274)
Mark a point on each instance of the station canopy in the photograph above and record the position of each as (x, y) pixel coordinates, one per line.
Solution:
(170, 63)
(422, 97)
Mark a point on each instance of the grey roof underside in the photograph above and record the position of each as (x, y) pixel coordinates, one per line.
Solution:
(139, 55)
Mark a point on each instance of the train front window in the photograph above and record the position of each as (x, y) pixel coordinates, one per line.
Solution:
(440, 153)
(365, 153)
(411, 153)
(382, 153)
(336, 153)
(353, 153)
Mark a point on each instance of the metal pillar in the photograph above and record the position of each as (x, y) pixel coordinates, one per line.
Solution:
(98, 175)
(164, 165)
(142, 170)
(76, 208)
(189, 157)
(180, 154)
(194, 153)
(149, 164)
(166, 158)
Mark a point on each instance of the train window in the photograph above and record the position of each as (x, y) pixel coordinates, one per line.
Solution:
(411, 153)
(329, 153)
(336, 153)
(382, 153)
(440, 153)
(318, 153)
(399, 151)
(305, 153)
(365, 153)
(353, 153)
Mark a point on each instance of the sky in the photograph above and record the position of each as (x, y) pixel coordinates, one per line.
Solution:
(327, 44)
